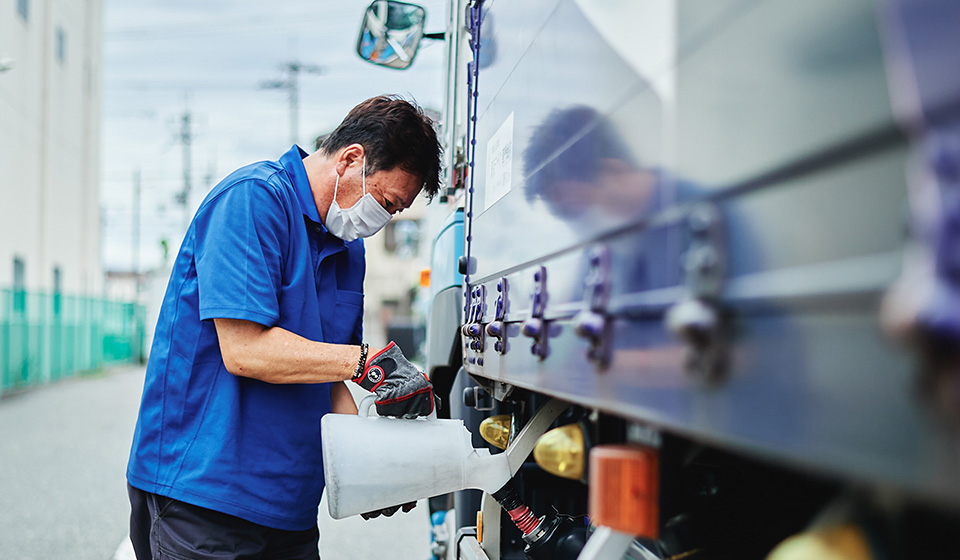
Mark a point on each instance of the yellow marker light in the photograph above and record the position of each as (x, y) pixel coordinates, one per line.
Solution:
(561, 451)
(841, 542)
(496, 430)
(425, 278)
(480, 526)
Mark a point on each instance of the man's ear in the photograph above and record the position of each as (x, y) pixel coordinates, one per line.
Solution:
(350, 155)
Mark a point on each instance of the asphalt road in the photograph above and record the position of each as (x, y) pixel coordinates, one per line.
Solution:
(63, 454)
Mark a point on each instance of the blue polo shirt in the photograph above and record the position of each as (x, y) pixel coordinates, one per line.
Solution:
(256, 250)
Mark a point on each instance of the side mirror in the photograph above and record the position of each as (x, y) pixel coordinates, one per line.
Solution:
(391, 33)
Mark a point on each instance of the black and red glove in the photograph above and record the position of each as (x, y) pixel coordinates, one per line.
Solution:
(401, 389)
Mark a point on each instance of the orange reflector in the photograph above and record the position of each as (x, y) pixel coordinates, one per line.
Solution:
(624, 489)
(425, 278)
(480, 526)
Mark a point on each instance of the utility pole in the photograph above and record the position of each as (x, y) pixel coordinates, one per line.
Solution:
(290, 81)
(185, 137)
(136, 229)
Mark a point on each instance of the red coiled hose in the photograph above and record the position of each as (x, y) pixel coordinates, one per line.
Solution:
(524, 519)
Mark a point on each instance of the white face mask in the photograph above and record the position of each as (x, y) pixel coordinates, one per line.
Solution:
(363, 219)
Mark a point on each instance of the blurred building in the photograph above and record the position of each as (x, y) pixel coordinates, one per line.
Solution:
(50, 95)
(391, 284)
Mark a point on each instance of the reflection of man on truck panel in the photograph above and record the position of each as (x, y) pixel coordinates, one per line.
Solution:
(594, 176)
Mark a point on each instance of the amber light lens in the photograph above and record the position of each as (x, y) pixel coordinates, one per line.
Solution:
(496, 430)
(561, 451)
(841, 542)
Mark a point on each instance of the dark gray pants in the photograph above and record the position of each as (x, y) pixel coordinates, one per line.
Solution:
(162, 528)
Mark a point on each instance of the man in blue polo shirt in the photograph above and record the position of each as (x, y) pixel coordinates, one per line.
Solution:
(259, 329)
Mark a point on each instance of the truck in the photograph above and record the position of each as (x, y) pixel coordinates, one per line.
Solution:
(696, 270)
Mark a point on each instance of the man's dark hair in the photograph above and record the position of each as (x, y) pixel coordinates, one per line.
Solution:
(568, 146)
(394, 132)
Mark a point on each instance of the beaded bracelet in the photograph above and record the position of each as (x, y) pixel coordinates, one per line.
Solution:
(363, 361)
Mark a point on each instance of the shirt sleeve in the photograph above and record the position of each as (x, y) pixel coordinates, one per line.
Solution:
(240, 241)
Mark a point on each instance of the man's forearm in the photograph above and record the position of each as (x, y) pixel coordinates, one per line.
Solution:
(341, 401)
(276, 355)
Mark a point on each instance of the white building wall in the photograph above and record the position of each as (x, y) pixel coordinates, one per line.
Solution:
(50, 144)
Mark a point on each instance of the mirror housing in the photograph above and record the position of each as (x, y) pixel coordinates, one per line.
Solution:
(391, 33)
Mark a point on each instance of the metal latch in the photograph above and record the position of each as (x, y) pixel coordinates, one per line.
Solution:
(535, 327)
(593, 323)
(496, 328)
(472, 330)
(696, 319)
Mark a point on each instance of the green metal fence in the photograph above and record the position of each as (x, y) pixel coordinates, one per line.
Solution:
(45, 337)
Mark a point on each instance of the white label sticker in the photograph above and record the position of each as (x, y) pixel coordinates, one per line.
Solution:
(499, 163)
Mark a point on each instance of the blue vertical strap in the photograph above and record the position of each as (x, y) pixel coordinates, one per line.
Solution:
(474, 18)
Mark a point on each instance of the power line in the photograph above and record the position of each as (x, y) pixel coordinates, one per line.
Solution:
(174, 86)
(251, 26)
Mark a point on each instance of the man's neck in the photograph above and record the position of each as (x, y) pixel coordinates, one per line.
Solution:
(319, 168)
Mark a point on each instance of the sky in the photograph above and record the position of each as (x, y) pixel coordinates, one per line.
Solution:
(163, 59)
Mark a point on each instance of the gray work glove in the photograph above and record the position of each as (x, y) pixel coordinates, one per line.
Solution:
(388, 511)
(401, 389)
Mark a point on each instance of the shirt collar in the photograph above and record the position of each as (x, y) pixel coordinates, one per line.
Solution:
(292, 162)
